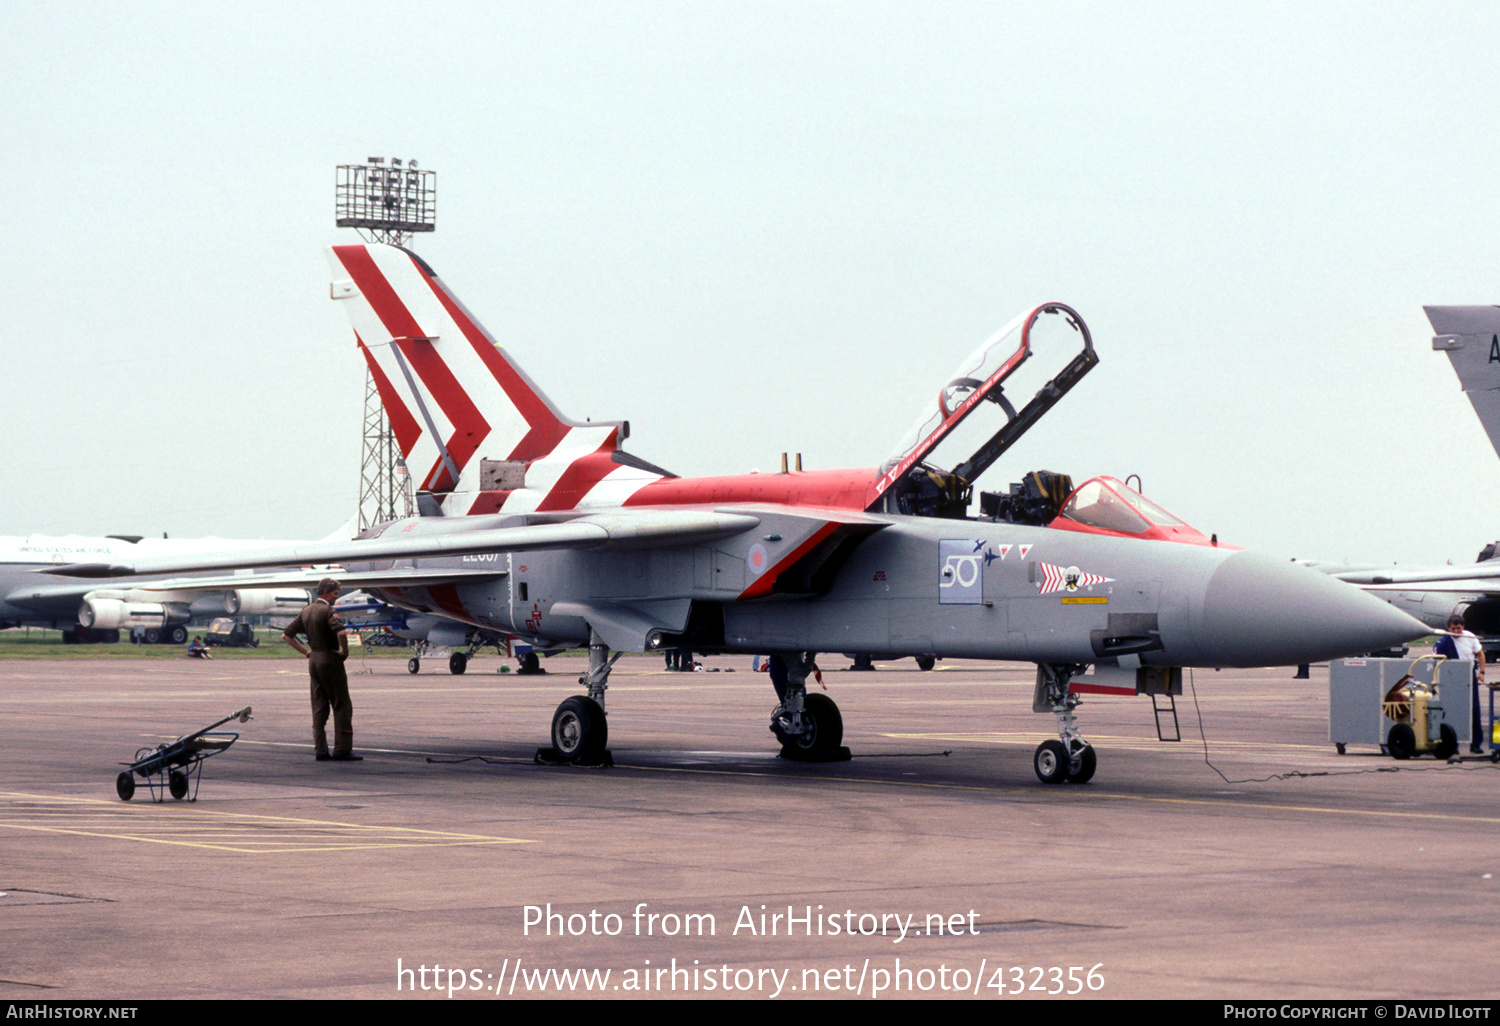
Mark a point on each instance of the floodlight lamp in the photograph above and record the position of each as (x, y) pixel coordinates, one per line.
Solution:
(395, 162)
(374, 160)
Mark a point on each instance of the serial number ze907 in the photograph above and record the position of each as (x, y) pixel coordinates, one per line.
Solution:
(1046, 979)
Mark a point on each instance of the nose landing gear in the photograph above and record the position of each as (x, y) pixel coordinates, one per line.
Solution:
(1069, 760)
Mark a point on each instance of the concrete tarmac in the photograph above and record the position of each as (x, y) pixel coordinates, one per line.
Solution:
(701, 865)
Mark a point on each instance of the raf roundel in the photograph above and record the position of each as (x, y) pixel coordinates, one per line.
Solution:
(755, 559)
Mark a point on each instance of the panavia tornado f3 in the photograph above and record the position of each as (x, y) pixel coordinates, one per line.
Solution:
(543, 528)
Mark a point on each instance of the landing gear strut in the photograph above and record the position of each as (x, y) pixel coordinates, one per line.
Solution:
(1071, 759)
(580, 733)
(808, 726)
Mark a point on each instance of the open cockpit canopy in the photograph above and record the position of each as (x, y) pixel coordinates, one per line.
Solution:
(990, 400)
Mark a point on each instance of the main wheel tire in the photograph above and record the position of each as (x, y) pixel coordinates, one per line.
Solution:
(177, 785)
(1447, 746)
(413, 665)
(1051, 762)
(823, 733)
(579, 730)
(178, 635)
(125, 786)
(457, 663)
(926, 662)
(1081, 767)
(1401, 742)
(152, 635)
(530, 663)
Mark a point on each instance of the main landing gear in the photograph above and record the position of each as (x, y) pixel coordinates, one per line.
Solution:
(1070, 760)
(808, 726)
(580, 733)
(458, 660)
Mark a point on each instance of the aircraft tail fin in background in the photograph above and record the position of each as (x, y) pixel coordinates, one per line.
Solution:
(466, 418)
(1470, 335)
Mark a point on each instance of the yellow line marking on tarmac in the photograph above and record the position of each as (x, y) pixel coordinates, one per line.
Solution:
(1067, 794)
(1133, 743)
(239, 832)
(1078, 794)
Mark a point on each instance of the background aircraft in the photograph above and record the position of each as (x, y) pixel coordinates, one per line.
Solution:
(85, 612)
(566, 539)
(365, 613)
(1470, 336)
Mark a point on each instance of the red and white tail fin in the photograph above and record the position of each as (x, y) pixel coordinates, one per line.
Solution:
(467, 419)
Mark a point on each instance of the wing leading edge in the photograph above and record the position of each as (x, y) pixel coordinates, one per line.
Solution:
(623, 529)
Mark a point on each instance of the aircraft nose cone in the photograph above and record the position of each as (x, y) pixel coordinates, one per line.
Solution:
(1258, 611)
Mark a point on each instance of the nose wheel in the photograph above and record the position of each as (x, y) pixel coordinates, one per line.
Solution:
(1054, 765)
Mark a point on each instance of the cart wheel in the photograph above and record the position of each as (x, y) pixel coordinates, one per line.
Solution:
(1401, 742)
(177, 784)
(125, 786)
(1340, 746)
(1447, 745)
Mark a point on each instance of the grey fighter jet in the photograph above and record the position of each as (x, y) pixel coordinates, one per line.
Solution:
(544, 528)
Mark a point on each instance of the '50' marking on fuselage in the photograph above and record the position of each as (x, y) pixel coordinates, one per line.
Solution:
(961, 564)
(961, 571)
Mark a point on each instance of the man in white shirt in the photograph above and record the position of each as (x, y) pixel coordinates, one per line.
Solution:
(1460, 644)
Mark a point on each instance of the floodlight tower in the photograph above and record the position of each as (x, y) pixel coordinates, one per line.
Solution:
(384, 203)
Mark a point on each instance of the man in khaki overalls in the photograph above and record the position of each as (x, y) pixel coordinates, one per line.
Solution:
(327, 647)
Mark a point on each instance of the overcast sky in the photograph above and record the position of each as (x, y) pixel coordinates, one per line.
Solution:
(756, 227)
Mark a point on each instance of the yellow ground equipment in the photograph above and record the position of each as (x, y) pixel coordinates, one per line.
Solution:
(1416, 708)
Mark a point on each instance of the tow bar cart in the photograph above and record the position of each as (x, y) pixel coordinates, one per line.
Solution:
(168, 768)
